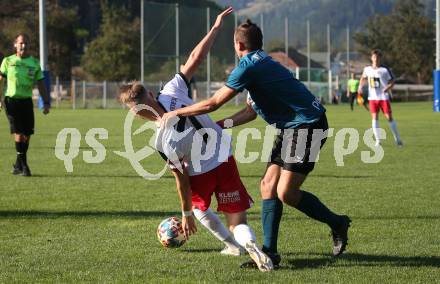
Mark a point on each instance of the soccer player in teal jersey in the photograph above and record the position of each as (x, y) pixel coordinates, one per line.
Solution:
(286, 103)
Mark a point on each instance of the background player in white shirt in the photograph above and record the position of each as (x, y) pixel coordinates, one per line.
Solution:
(380, 82)
(198, 179)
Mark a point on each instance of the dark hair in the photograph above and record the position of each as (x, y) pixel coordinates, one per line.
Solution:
(131, 92)
(377, 52)
(25, 36)
(250, 35)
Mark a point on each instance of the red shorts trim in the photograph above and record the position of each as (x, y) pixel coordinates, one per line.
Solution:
(223, 181)
(376, 105)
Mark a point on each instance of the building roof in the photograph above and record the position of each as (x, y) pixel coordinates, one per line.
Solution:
(283, 59)
(297, 58)
(354, 56)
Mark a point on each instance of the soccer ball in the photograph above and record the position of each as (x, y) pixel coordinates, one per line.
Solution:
(170, 233)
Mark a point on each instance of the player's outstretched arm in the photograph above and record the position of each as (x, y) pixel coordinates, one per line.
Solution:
(201, 50)
(220, 97)
(184, 191)
(243, 116)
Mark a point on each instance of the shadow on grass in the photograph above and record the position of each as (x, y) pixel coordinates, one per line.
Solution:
(30, 214)
(344, 176)
(93, 176)
(201, 250)
(256, 214)
(316, 176)
(172, 177)
(358, 259)
(252, 215)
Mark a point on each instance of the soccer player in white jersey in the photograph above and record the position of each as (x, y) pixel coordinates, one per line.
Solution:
(198, 178)
(380, 82)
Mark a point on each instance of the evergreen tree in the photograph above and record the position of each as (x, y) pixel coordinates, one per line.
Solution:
(63, 32)
(63, 37)
(114, 54)
(406, 37)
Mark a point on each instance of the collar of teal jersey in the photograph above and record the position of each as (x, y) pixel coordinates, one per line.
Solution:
(255, 56)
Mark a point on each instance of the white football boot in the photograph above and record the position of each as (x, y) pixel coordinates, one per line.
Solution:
(232, 251)
(263, 262)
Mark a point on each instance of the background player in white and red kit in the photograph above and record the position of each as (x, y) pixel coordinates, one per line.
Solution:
(380, 82)
(199, 176)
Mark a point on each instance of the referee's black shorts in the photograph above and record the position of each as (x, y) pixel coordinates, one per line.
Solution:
(353, 96)
(20, 113)
(297, 149)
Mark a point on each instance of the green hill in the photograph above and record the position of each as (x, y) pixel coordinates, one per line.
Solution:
(337, 13)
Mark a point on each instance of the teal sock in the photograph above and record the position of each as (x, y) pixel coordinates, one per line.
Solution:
(271, 212)
(315, 209)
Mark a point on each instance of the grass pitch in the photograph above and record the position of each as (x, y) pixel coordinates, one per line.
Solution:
(98, 224)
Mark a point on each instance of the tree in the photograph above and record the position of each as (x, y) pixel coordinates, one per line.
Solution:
(114, 53)
(406, 37)
(16, 17)
(62, 31)
(64, 35)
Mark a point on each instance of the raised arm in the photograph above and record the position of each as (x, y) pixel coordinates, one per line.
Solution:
(201, 50)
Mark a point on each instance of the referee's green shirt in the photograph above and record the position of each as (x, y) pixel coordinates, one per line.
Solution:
(21, 75)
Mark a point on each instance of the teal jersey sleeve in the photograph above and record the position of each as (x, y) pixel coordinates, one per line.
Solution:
(239, 78)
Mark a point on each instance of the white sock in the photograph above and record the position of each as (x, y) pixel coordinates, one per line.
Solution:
(212, 222)
(375, 126)
(243, 234)
(393, 127)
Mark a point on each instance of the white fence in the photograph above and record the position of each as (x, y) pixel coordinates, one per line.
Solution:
(94, 95)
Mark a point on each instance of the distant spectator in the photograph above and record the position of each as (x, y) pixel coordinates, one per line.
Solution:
(352, 87)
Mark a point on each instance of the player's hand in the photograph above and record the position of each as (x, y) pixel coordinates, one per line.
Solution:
(189, 226)
(1, 106)
(219, 21)
(167, 118)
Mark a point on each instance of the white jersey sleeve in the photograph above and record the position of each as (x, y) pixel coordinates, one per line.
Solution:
(388, 75)
(177, 87)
